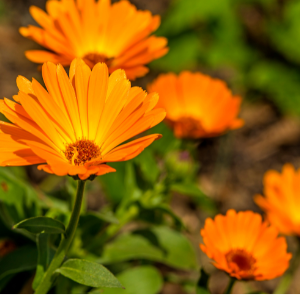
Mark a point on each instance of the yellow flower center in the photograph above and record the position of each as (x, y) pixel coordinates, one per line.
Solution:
(93, 58)
(241, 263)
(82, 151)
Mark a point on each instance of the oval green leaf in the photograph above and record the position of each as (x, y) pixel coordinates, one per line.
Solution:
(41, 225)
(138, 280)
(88, 273)
(172, 248)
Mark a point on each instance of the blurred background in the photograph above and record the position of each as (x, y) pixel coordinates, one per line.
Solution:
(254, 45)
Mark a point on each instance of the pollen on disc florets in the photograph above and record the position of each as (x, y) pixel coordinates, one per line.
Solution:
(82, 151)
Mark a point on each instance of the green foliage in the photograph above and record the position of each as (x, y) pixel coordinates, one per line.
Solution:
(113, 180)
(284, 31)
(44, 254)
(279, 83)
(138, 280)
(104, 216)
(175, 61)
(167, 143)
(18, 200)
(148, 166)
(253, 45)
(20, 260)
(88, 273)
(202, 284)
(38, 225)
(160, 244)
(192, 190)
(3, 10)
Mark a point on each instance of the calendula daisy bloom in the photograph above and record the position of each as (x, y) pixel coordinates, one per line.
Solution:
(244, 246)
(116, 34)
(281, 202)
(78, 124)
(197, 105)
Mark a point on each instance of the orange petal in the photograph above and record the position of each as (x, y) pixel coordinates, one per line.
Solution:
(131, 149)
(96, 97)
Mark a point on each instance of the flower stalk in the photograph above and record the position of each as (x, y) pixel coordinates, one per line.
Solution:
(230, 285)
(65, 243)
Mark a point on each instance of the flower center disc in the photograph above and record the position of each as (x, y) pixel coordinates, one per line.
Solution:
(82, 151)
(241, 262)
(93, 58)
(187, 125)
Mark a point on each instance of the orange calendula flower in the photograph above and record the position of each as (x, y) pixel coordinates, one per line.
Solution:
(6, 246)
(197, 106)
(244, 246)
(116, 34)
(77, 125)
(282, 199)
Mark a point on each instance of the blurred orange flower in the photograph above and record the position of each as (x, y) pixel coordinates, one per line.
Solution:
(76, 126)
(282, 199)
(197, 106)
(6, 246)
(244, 246)
(116, 34)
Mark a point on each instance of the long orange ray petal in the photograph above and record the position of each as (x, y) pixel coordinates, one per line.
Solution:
(70, 99)
(96, 97)
(131, 149)
(39, 116)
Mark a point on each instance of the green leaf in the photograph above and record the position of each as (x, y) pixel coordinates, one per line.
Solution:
(179, 252)
(22, 259)
(166, 209)
(104, 216)
(174, 61)
(185, 14)
(129, 246)
(43, 258)
(124, 180)
(110, 181)
(88, 273)
(191, 189)
(4, 281)
(165, 144)
(148, 165)
(284, 31)
(132, 190)
(19, 198)
(139, 280)
(167, 246)
(285, 93)
(202, 284)
(42, 225)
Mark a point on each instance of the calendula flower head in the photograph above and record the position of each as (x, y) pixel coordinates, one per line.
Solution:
(76, 126)
(197, 105)
(6, 246)
(244, 246)
(281, 200)
(96, 31)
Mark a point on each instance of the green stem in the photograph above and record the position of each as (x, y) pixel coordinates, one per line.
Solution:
(65, 243)
(230, 285)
